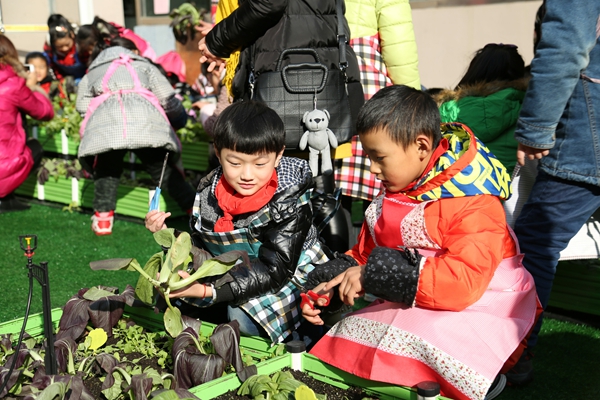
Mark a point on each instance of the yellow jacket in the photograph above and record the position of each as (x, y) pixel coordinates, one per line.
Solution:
(392, 19)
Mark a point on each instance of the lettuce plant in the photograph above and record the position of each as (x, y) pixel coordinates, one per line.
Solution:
(161, 271)
(280, 386)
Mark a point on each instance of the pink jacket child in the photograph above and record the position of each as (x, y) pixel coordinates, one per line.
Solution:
(16, 98)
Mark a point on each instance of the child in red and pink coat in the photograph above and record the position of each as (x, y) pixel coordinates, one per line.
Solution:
(455, 303)
(20, 96)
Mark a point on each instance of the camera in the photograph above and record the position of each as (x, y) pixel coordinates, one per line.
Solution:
(29, 67)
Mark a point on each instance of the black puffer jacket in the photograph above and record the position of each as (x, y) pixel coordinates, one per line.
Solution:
(275, 25)
(288, 232)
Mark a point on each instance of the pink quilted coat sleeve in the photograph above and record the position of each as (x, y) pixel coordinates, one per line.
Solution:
(15, 157)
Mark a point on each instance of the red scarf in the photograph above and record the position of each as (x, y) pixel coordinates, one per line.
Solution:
(233, 203)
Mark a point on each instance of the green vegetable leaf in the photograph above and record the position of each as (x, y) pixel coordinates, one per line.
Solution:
(305, 393)
(144, 288)
(165, 237)
(181, 249)
(56, 390)
(173, 323)
(114, 264)
(96, 293)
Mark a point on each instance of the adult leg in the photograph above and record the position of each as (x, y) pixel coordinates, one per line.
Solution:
(173, 179)
(554, 213)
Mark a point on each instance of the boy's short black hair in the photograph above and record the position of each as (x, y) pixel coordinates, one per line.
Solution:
(35, 54)
(249, 127)
(403, 112)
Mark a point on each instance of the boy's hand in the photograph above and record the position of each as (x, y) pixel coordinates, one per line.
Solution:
(155, 220)
(350, 282)
(311, 315)
(193, 290)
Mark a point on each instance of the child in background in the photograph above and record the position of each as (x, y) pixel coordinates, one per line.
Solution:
(43, 74)
(129, 106)
(488, 99)
(257, 201)
(455, 302)
(86, 38)
(110, 30)
(61, 49)
(21, 96)
(46, 79)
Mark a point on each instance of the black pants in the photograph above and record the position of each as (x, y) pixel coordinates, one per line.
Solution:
(37, 151)
(107, 169)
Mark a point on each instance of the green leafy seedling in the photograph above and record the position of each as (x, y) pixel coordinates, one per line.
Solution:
(161, 272)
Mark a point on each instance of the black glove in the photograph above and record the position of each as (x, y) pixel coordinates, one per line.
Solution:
(326, 272)
(393, 274)
(329, 270)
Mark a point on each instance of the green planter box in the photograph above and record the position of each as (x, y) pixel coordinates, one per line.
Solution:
(56, 143)
(576, 286)
(194, 156)
(316, 369)
(257, 347)
(131, 201)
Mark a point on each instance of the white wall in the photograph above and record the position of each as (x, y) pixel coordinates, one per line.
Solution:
(447, 37)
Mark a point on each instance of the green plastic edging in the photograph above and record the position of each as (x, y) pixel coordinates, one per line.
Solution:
(576, 287)
(217, 387)
(258, 348)
(194, 156)
(53, 143)
(131, 201)
(34, 326)
(316, 369)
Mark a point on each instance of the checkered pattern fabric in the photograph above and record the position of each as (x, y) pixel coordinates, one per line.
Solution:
(278, 313)
(353, 177)
(373, 72)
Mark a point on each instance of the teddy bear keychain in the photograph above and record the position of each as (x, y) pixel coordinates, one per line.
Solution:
(319, 138)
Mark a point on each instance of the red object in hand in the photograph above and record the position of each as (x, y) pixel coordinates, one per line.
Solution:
(310, 295)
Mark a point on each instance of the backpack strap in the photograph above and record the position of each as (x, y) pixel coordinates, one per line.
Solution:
(125, 61)
(341, 36)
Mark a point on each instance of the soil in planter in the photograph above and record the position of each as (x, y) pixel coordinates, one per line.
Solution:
(94, 385)
(332, 392)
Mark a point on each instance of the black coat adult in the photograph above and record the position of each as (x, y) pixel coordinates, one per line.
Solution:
(267, 27)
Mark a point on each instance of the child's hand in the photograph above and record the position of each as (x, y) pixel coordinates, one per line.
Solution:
(31, 80)
(155, 220)
(350, 282)
(311, 315)
(193, 290)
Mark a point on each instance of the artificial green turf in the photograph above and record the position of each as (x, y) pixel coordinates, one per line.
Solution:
(67, 243)
(565, 357)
